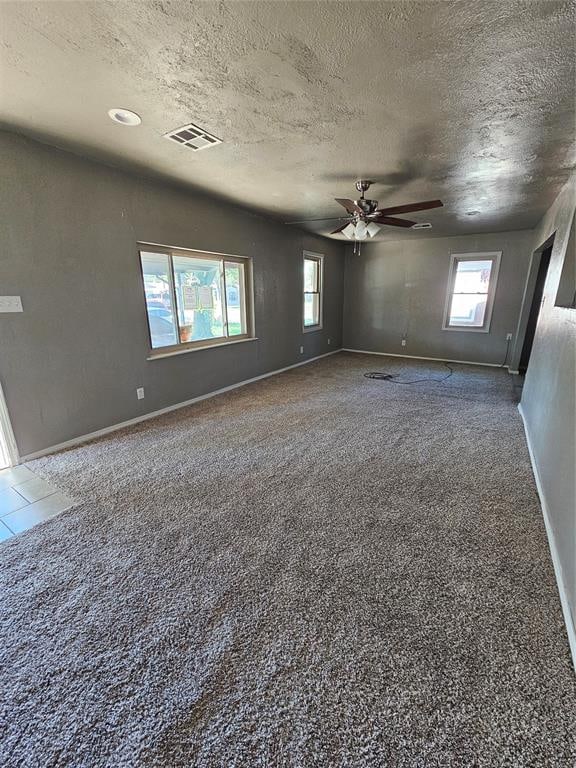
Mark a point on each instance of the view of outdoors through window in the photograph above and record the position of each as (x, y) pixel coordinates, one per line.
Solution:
(197, 285)
(209, 293)
(235, 298)
(470, 293)
(311, 291)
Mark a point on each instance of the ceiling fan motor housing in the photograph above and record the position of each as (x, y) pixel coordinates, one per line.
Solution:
(368, 206)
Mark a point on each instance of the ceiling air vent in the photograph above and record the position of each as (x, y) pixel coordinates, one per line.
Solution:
(193, 137)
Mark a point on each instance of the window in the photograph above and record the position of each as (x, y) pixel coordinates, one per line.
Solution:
(313, 263)
(471, 289)
(195, 299)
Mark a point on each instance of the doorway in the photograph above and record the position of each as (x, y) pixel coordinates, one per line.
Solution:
(8, 449)
(535, 306)
(532, 303)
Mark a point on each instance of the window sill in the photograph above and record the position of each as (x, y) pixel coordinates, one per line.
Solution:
(311, 328)
(174, 352)
(465, 328)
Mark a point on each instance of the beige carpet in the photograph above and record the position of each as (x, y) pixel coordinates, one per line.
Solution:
(317, 570)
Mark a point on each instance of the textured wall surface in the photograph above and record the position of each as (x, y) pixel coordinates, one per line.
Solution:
(398, 289)
(549, 396)
(72, 360)
(471, 102)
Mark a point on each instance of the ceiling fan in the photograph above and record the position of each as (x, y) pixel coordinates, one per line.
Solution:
(365, 219)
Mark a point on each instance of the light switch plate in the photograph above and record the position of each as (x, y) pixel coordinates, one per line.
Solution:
(10, 304)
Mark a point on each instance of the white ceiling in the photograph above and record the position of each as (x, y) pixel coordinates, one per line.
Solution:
(470, 101)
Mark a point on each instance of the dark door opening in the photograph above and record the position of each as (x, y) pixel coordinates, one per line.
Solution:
(535, 307)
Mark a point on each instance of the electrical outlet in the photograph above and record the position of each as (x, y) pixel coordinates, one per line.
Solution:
(10, 304)
(140, 393)
(508, 337)
(329, 341)
(301, 350)
(403, 342)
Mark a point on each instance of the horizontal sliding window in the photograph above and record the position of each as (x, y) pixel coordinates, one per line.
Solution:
(471, 290)
(195, 299)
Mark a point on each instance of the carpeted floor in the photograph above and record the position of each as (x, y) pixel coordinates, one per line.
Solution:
(316, 570)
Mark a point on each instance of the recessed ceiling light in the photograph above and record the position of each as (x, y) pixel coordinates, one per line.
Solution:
(124, 116)
(472, 213)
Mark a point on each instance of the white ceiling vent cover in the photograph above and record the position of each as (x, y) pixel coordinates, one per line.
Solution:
(193, 137)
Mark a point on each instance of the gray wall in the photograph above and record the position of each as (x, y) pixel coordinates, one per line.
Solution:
(70, 364)
(397, 288)
(549, 395)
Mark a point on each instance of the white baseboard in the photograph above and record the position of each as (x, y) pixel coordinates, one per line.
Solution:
(153, 414)
(418, 357)
(568, 618)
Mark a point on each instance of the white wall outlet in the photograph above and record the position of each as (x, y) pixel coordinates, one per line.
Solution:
(508, 337)
(301, 350)
(10, 304)
(329, 341)
(403, 342)
(140, 393)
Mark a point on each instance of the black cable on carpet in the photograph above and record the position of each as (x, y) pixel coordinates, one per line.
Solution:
(393, 377)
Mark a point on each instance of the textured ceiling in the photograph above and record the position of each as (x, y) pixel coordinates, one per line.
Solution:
(470, 101)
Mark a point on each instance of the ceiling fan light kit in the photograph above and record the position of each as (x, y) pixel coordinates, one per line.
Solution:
(360, 230)
(349, 231)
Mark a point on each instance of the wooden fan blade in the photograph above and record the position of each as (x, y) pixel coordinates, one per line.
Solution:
(350, 205)
(340, 228)
(411, 207)
(325, 218)
(391, 222)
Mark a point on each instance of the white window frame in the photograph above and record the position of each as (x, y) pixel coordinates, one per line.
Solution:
(455, 259)
(319, 258)
(191, 346)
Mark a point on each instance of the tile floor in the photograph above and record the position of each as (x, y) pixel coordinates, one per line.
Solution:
(26, 499)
